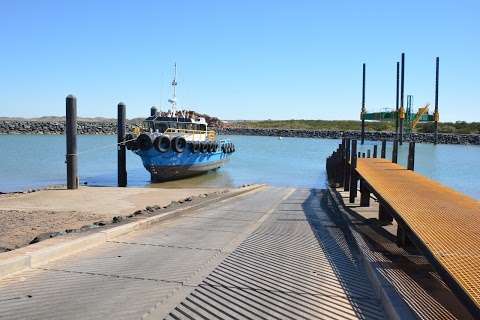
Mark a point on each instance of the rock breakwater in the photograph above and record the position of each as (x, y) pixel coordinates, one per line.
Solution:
(56, 127)
(444, 138)
(110, 127)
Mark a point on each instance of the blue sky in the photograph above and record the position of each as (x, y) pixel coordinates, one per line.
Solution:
(237, 59)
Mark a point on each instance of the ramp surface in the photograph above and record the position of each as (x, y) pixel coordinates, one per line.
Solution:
(264, 255)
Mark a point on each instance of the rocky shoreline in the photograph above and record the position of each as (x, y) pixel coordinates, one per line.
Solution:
(444, 138)
(110, 127)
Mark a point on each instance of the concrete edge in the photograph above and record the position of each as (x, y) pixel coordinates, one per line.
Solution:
(393, 304)
(44, 252)
(14, 265)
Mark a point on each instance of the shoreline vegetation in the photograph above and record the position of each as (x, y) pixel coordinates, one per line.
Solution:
(449, 133)
(460, 127)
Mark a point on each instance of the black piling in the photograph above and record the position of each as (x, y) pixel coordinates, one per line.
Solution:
(395, 151)
(363, 154)
(436, 114)
(353, 175)
(121, 152)
(397, 94)
(364, 194)
(71, 134)
(411, 156)
(383, 214)
(375, 151)
(362, 114)
(346, 176)
(384, 149)
(153, 111)
(359, 154)
(402, 91)
(368, 153)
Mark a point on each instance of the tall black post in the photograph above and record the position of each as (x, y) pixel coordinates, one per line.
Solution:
(71, 133)
(375, 151)
(411, 156)
(395, 151)
(362, 114)
(153, 111)
(384, 149)
(346, 176)
(364, 194)
(353, 175)
(397, 94)
(402, 107)
(436, 114)
(121, 153)
(341, 163)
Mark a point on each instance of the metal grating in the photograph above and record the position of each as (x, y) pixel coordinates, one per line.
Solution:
(296, 265)
(444, 220)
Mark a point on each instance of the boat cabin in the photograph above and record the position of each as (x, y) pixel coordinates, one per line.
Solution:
(191, 129)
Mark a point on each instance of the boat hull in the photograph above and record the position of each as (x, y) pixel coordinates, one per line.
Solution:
(165, 166)
(167, 173)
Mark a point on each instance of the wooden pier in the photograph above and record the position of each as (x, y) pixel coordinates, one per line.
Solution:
(443, 224)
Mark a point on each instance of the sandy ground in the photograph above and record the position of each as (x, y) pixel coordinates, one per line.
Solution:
(25, 216)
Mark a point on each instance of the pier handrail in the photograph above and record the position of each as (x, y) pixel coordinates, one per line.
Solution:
(442, 223)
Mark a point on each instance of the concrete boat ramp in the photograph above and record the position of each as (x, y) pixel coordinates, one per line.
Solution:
(269, 253)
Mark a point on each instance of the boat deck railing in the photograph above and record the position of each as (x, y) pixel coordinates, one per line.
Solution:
(209, 134)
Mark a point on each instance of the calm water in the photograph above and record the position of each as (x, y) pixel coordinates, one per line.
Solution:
(33, 161)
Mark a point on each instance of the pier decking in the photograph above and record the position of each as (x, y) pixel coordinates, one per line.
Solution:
(444, 223)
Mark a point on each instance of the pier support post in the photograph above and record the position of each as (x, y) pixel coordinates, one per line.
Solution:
(340, 164)
(364, 194)
(368, 153)
(362, 114)
(346, 175)
(375, 151)
(402, 237)
(363, 154)
(411, 156)
(353, 174)
(402, 109)
(71, 134)
(436, 116)
(383, 214)
(397, 94)
(121, 152)
(384, 149)
(395, 151)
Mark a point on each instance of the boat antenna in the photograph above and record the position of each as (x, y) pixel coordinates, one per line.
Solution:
(173, 100)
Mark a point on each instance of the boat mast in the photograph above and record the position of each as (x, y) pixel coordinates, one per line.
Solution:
(173, 100)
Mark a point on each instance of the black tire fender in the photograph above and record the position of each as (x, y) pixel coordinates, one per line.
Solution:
(179, 144)
(144, 142)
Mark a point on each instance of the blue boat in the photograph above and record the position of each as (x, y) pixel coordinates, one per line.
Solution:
(177, 144)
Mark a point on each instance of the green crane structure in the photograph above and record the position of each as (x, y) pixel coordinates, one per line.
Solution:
(405, 119)
(412, 119)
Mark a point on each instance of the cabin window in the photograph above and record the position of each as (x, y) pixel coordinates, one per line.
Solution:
(148, 125)
(161, 127)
